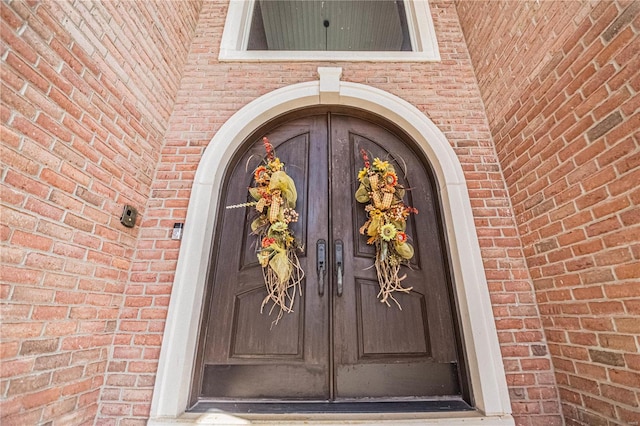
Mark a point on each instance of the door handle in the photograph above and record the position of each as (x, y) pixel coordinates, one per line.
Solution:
(321, 264)
(339, 266)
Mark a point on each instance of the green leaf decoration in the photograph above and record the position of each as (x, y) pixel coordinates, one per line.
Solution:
(405, 250)
(374, 226)
(280, 180)
(362, 195)
(400, 225)
(255, 193)
(281, 266)
(258, 223)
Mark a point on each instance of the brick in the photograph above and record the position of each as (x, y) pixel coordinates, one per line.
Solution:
(613, 206)
(583, 384)
(53, 127)
(48, 362)
(625, 378)
(591, 370)
(32, 295)
(627, 271)
(597, 324)
(622, 291)
(26, 183)
(606, 357)
(620, 41)
(628, 126)
(597, 81)
(30, 240)
(600, 406)
(606, 307)
(60, 408)
(617, 342)
(17, 102)
(23, 418)
(603, 226)
(619, 394)
(49, 312)
(623, 19)
(29, 384)
(604, 126)
(627, 325)
(626, 236)
(31, 347)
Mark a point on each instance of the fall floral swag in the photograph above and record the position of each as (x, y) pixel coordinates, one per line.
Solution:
(386, 224)
(274, 195)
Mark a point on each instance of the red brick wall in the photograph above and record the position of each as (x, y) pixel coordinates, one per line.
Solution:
(88, 111)
(569, 143)
(447, 93)
(511, 41)
(87, 91)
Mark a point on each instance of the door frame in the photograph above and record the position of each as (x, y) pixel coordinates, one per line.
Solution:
(480, 341)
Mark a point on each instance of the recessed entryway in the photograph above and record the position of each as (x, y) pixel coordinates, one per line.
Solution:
(479, 337)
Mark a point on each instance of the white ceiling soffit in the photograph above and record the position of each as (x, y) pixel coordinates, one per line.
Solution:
(353, 25)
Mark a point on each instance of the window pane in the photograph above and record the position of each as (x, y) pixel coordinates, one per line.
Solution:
(334, 25)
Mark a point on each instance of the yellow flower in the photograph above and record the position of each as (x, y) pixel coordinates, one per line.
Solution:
(376, 213)
(379, 164)
(362, 174)
(275, 165)
(388, 232)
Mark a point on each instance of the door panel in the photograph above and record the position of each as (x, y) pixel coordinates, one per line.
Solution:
(331, 348)
(244, 355)
(380, 342)
(371, 338)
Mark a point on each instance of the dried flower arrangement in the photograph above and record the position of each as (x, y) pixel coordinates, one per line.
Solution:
(275, 196)
(386, 223)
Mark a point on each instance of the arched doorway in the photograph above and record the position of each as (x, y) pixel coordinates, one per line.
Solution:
(480, 343)
(340, 344)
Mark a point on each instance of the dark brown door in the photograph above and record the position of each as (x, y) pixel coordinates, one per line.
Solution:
(347, 347)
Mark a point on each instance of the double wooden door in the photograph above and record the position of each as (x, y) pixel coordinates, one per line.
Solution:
(335, 346)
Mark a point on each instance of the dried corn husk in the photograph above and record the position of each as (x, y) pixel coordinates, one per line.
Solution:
(274, 210)
(373, 179)
(377, 200)
(387, 198)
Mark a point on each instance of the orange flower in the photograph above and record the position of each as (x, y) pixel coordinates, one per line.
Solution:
(390, 179)
(266, 241)
(259, 174)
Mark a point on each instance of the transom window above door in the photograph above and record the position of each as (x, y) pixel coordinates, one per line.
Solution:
(353, 30)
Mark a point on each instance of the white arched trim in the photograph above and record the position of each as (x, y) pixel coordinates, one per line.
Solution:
(480, 340)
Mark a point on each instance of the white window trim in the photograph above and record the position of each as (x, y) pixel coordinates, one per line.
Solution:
(236, 36)
(480, 339)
